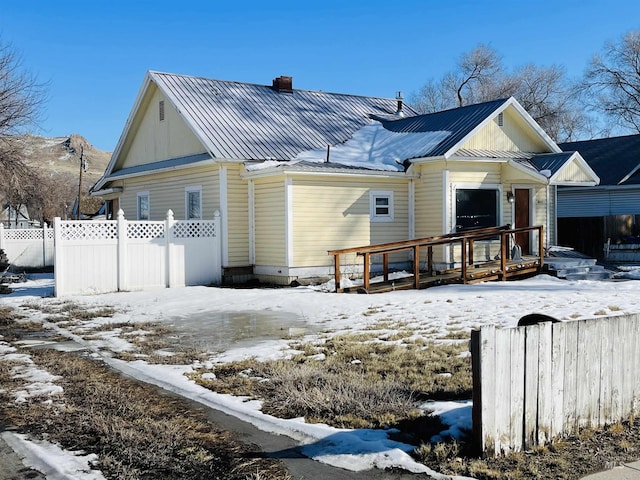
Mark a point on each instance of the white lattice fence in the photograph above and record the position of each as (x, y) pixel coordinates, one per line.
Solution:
(115, 255)
(27, 247)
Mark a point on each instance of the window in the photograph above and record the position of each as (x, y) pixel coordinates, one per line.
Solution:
(476, 208)
(143, 206)
(193, 203)
(381, 206)
(161, 110)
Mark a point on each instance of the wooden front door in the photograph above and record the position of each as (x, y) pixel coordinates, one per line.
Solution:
(523, 218)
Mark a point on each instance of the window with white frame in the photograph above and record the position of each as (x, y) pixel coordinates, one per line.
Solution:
(381, 206)
(143, 206)
(477, 208)
(193, 202)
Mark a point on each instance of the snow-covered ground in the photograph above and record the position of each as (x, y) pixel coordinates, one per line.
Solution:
(430, 313)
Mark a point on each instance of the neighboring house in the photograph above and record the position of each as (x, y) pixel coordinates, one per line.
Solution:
(589, 217)
(296, 173)
(11, 218)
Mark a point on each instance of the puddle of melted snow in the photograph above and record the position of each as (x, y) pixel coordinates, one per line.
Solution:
(218, 331)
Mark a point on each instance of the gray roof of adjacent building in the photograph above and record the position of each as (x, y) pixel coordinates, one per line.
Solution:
(616, 160)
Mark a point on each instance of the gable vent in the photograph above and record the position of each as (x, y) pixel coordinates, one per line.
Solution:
(161, 110)
(501, 119)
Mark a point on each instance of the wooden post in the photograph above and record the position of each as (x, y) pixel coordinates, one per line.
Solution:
(416, 267)
(471, 251)
(385, 266)
(541, 245)
(366, 270)
(504, 251)
(336, 270)
(430, 260)
(463, 259)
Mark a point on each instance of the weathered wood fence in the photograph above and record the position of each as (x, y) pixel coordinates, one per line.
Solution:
(27, 247)
(533, 384)
(116, 255)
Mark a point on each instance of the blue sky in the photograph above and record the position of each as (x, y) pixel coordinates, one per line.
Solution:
(94, 54)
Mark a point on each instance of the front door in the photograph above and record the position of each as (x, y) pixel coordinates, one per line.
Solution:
(523, 218)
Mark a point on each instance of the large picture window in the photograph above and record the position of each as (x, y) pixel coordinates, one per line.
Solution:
(476, 208)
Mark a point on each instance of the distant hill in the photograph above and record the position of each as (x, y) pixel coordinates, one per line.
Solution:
(61, 155)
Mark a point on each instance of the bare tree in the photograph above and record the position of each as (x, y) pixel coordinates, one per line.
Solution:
(611, 82)
(21, 98)
(545, 92)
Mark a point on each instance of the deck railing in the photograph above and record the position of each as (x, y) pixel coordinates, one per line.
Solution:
(466, 240)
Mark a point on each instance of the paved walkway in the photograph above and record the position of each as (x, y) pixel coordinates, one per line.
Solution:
(630, 471)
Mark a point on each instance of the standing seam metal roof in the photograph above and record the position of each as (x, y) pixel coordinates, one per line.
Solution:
(256, 122)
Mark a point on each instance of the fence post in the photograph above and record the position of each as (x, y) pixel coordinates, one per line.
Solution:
(169, 223)
(217, 245)
(122, 251)
(44, 244)
(57, 256)
(2, 235)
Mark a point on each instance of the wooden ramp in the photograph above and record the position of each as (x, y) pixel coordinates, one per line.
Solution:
(469, 271)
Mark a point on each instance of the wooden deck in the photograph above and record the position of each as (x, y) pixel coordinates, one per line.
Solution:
(470, 271)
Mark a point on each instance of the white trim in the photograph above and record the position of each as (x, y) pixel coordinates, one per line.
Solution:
(412, 209)
(375, 217)
(224, 210)
(288, 205)
(144, 193)
(252, 223)
(333, 172)
(191, 189)
(446, 214)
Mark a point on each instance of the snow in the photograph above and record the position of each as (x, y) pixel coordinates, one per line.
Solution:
(431, 313)
(372, 147)
(375, 147)
(51, 460)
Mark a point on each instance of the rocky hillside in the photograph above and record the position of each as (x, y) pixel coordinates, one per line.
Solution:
(61, 155)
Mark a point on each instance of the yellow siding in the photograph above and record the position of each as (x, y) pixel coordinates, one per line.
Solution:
(573, 172)
(428, 201)
(166, 191)
(333, 213)
(514, 136)
(270, 226)
(238, 217)
(151, 140)
(474, 172)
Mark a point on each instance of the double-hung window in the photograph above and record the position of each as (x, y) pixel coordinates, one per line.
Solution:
(381, 206)
(193, 202)
(143, 207)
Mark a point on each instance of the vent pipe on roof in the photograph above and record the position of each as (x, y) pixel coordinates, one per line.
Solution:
(399, 98)
(283, 84)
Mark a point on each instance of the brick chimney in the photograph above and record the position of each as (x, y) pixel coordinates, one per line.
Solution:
(283, 84)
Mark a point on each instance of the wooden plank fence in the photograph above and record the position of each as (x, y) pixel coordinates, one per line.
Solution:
(536, 383)
(115, 255)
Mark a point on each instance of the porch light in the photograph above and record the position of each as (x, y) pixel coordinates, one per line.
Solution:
(510, 197)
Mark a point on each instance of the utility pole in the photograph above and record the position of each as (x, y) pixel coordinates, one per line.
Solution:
(83, 167)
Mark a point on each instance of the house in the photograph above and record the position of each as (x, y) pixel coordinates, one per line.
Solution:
(296, 173)
(589, 218)
(12, 218)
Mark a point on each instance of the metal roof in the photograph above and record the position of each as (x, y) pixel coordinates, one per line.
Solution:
(245, 121)
(615, 160)
(161, 165)
(550, 161)
(459, 121)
